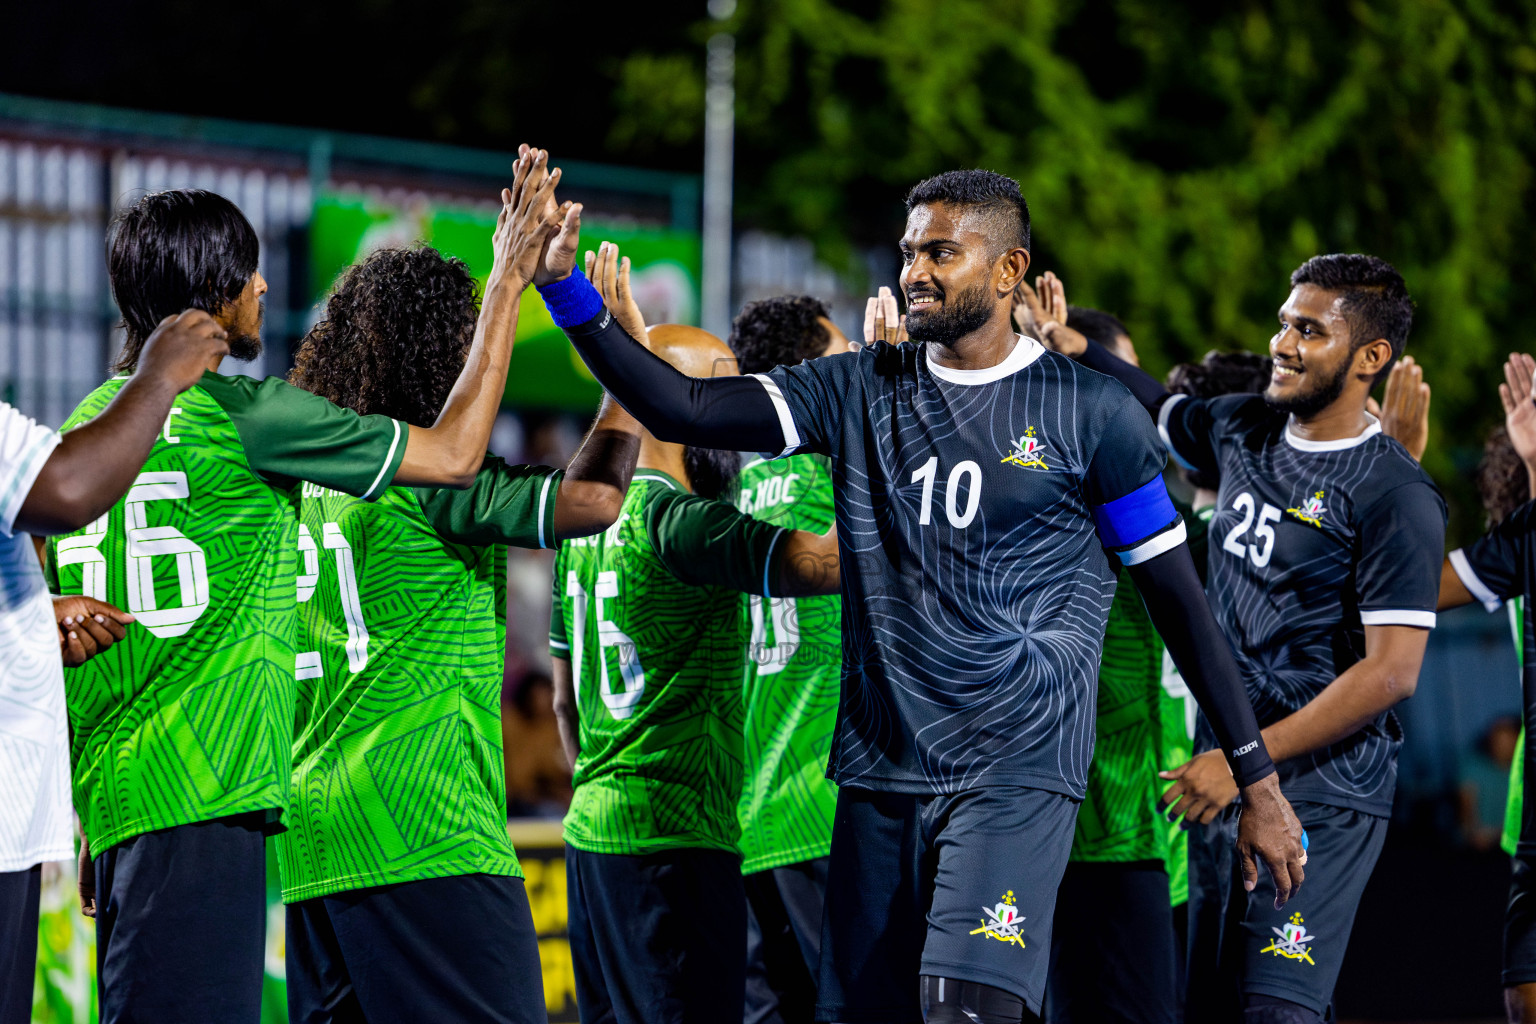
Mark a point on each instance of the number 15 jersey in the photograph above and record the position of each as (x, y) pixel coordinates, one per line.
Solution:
(190, 717)
(1311, 542)
(973, 512)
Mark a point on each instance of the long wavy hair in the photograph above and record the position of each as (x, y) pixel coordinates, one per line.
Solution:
(395, 334)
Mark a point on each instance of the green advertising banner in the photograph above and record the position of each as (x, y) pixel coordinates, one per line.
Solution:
(65, 990)
(545, 372)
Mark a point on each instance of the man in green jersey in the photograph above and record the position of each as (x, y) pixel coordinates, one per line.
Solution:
(182, 732)
(405, 898)
(649, 701)
(792, 676)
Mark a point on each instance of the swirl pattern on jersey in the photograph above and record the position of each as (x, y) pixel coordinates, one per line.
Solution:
(975, 588)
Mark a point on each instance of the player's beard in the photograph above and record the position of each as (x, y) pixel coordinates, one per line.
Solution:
(1311, 401)
(246, 345)
(957, 316)
(711, 472)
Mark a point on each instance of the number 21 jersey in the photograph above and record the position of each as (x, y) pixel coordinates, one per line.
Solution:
(1311, 542)
(190, 717)
(974, 508)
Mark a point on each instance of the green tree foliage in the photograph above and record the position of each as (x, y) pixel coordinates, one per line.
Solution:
(1180, 159)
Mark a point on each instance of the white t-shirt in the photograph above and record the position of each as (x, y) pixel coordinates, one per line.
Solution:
(35, 818)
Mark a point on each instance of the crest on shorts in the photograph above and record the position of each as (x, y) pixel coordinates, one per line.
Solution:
(1291, 941)
(1027, 451)
(1311, 510)
(1003, 921)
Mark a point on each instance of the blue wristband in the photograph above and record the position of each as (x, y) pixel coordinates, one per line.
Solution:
(1303, 839)
(573, 301)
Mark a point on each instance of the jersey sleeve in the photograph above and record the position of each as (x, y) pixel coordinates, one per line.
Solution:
(1401, 536)
(1493, 567)
(1186, 427)
(505, 505)
(808, 398)
(291, 434)
(24, 449)
(559, 641)
(705, 542)
(1135, 517)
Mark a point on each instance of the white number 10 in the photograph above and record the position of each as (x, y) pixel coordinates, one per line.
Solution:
(929, 472)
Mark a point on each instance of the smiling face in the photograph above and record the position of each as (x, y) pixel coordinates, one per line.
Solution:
(952, 274)
(1312, 353)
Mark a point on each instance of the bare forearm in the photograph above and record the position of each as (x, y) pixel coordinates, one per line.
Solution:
(97, 462)
(449, 452)
(809, 565)
(1346, 705)
(565, 710)
(597, 480)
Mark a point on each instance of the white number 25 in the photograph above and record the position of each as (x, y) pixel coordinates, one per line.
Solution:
(1263, 545)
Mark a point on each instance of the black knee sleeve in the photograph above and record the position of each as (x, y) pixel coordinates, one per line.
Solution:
(1262, 1009)
(948, 1001)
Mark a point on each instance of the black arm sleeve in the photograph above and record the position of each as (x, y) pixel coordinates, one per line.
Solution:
(1171, 590)
(732, 413)
(1145, 387)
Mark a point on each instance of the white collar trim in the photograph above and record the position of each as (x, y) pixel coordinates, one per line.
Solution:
(1025, 351)
(1301, 444)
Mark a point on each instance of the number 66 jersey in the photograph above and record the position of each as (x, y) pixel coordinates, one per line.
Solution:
(974, 508)
(190, 717)
(1311, 542)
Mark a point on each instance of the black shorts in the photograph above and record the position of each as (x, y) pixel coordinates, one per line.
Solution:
(1520, 922)
(460, 948)
(958, 886)
(784, 906)
(1240, 945)
(181, 923)
(1113, 949)
(657, 938)
(19, 893)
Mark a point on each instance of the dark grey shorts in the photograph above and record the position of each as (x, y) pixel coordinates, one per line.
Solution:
(957, 886)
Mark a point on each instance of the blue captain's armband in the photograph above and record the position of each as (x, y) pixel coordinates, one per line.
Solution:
(1140, 525)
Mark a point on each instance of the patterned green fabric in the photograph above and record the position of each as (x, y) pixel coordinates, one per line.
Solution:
(1515, 803)
(191, 716)
(658, 698)
(793, 678)
(398, 770)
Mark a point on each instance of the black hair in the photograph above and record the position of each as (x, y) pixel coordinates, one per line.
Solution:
(1096, 325)
(781, 331)
(1376, 302)
(1502, 483)
(995, 194)
(712, 472)
(394, 336)
(174, 250)
(1219, 373)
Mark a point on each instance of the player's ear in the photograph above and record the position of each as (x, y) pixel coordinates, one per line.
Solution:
(1012, 266)
(1373, 357)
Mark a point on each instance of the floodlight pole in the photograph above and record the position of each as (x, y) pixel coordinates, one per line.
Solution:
(719, 146)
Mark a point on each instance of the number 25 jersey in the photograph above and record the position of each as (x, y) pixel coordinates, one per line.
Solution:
(973, 512)
(190, 716)
(1311, 542)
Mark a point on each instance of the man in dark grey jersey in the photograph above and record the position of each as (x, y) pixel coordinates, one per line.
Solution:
(1324, 572)
(979, 480)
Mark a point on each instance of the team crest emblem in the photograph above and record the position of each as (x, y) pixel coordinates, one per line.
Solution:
(1003, 920)
(1291, 941)
(1311, 510)
(1027, 451)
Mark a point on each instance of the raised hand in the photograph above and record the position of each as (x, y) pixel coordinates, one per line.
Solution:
(1405, 407)
(529, 218)
(181, 348)
(1041, 312)
(87, 627)
(882, 321)
(559, 256)
(1519, 408)
(610, 276)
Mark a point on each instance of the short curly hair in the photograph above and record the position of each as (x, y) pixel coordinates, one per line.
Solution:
(395, 334)
(779, 332)
(1501, 478)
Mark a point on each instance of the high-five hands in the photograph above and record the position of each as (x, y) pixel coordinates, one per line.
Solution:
(530, 220)
(882, 321)
(1519, 408)
(1404, 408)
(610, 276)
(1041, 312)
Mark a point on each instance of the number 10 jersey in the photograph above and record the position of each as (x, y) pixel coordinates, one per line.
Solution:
(974, 508)
(190, 717)
(1311, 542)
